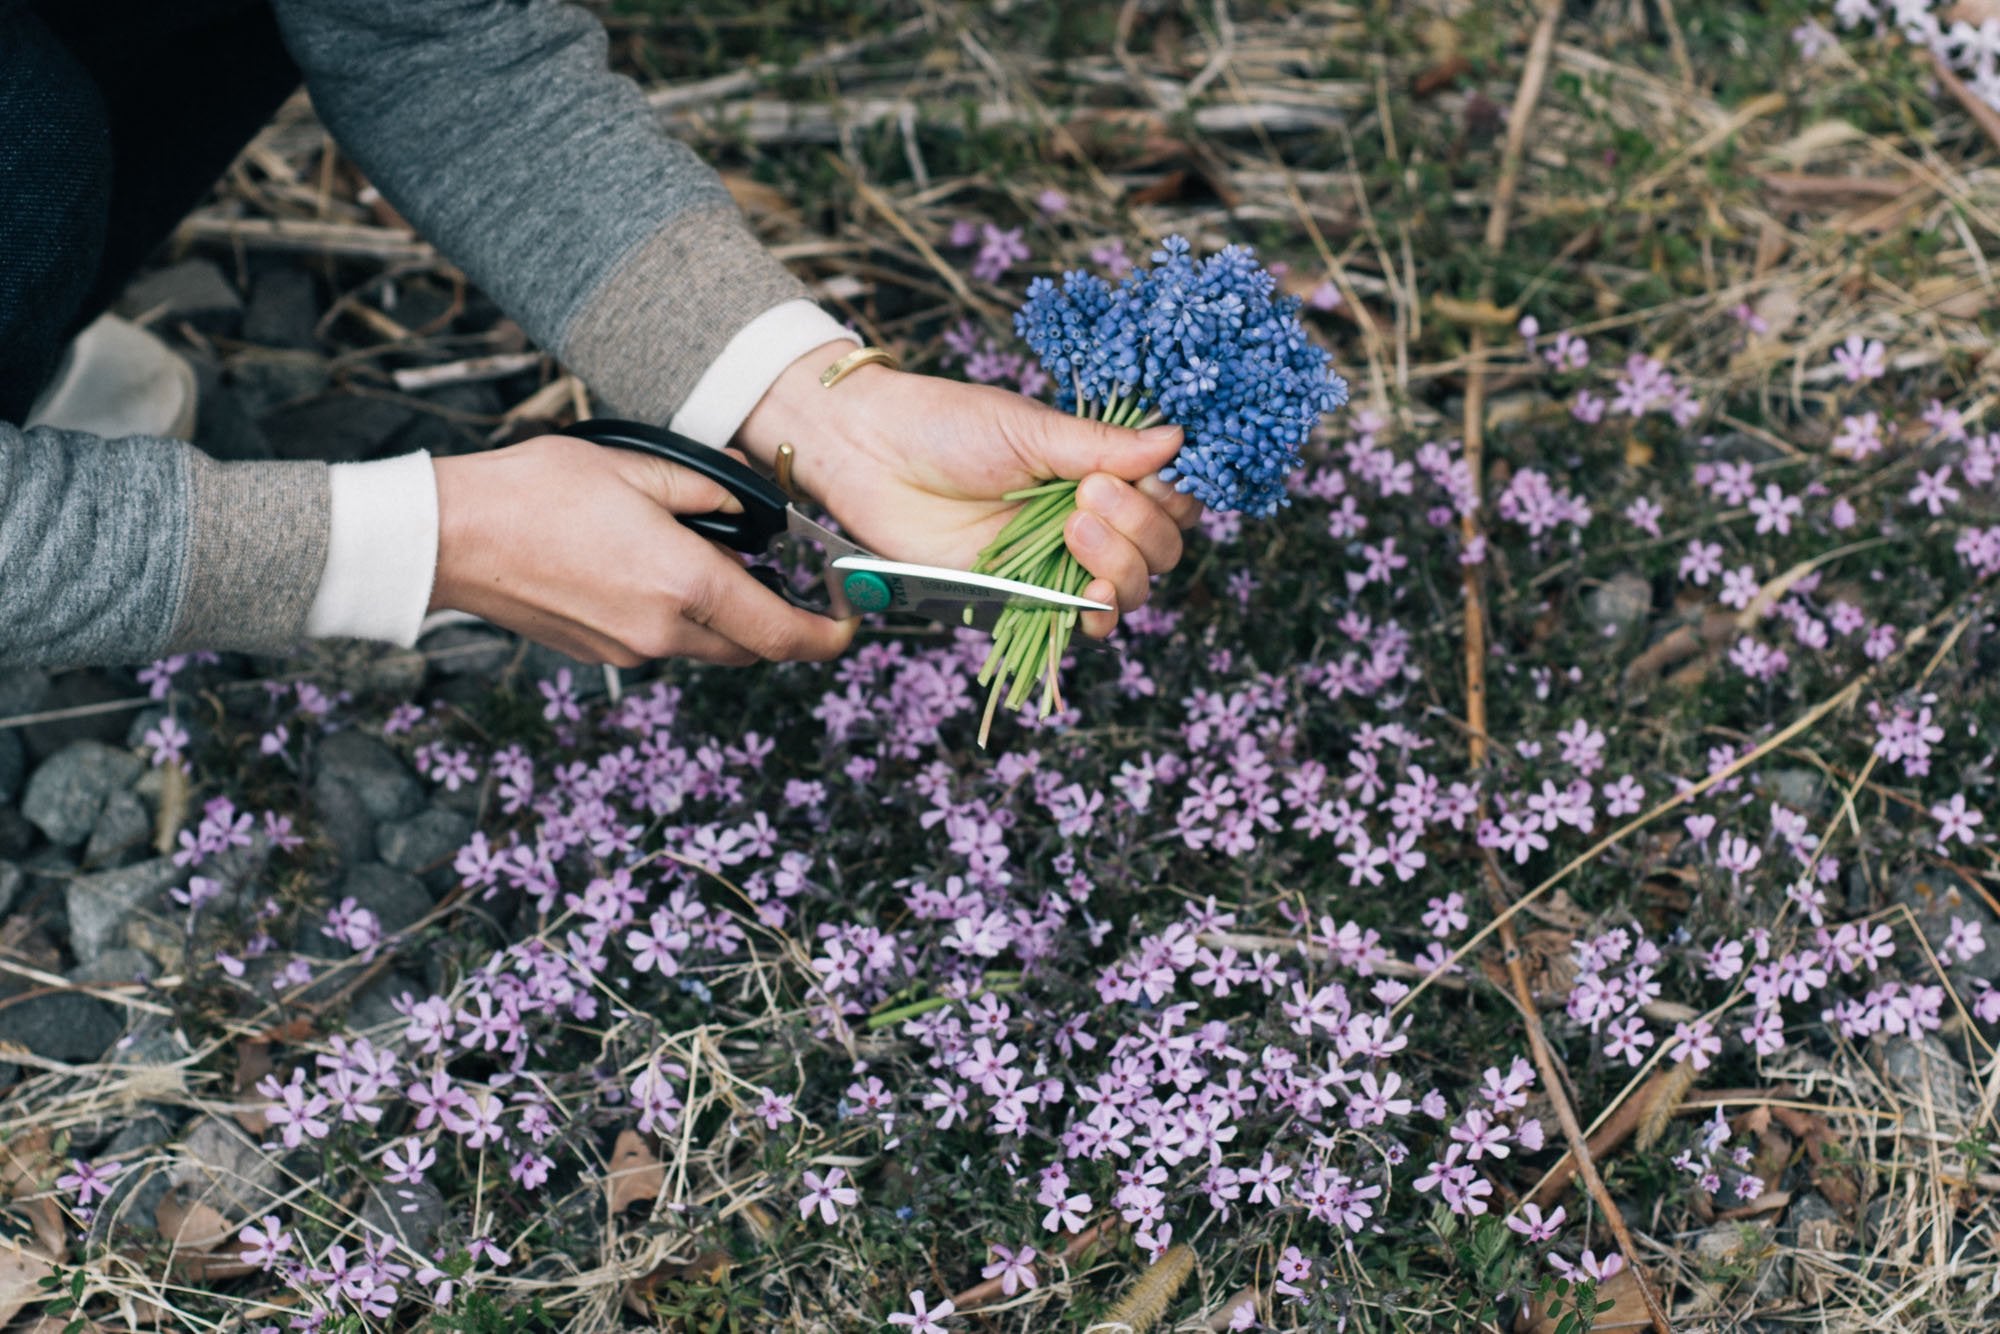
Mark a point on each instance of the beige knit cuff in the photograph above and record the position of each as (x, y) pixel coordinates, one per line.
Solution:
(257, 540)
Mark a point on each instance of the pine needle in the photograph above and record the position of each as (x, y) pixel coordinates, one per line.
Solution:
(1141, 1308)
(1673, 1092)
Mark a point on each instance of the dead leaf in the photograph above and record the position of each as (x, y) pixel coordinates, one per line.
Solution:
(1763, 1204)
(1628, 1308)
(27, 1169)
(709, 1266)
(757, 199)
(1474, 313)
(636, 1173)
(191, 1227)
(21, 1271)
(201, 1240)
(1438, 77)
(253, 1062)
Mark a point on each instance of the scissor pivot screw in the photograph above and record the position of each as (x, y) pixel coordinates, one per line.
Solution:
(868, 592)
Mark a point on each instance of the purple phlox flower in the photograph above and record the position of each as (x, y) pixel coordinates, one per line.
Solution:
(926, 1318)
(827, 1196)
(1531, 1224)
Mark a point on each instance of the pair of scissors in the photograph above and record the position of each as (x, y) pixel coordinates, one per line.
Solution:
(857, 580)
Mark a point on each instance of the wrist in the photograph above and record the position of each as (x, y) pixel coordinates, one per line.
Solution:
(458, 536)
(824, 426)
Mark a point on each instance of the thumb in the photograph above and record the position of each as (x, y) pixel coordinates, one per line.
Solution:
(673, 488)
(1061, 445)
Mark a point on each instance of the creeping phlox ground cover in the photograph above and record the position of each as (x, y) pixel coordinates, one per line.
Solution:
(765, 1000)
(887, 1021)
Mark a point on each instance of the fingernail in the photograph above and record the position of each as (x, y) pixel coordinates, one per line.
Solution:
(1160, 435)
(1090, 531)
(1095, 493)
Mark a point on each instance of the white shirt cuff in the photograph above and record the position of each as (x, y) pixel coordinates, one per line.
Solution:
(748, 366)
(381, 551)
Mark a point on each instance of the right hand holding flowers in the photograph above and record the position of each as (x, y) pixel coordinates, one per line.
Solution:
(917, 468)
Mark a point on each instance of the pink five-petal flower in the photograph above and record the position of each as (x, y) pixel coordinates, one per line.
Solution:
(926, 1317)
(824, 1193)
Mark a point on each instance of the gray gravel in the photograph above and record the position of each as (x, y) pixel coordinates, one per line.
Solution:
(69, 789)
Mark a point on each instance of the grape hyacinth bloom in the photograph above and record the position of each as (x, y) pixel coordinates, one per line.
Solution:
(1206, 345)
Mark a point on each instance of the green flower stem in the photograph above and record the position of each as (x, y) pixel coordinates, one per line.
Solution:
(1029, 643)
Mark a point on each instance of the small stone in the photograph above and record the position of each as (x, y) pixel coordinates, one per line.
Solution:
(17, 836)
(1619, 605)
(13, 764)
(337, 427)
(224, 429)
(12, 881)
(62, 1026)
(1935, 898)
(116, 967)
(69, 789)
(102, 905)
(424, 844)
(124, 825)
(343, 819)
(410, 1213)
(221, 1165)
(1797, 788)
(374, 1006)
(1927, 1073)
(467, 650)
(192, 291)
(283, 309)
(265, 380)
(386, 787)
(396, 898)
(22, 690)
(79, 690)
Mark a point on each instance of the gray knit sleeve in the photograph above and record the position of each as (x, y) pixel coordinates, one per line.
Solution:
(121, 550)
(498, 130)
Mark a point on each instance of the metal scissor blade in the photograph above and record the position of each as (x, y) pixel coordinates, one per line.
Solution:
(913, 586)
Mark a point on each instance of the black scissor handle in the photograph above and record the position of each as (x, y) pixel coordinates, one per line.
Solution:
(764, 505)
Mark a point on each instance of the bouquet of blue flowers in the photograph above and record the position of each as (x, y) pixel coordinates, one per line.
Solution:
(1203, 344)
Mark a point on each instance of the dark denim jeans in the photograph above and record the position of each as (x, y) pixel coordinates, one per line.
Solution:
(116, 116)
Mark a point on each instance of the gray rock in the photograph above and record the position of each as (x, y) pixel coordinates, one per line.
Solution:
(396, 898)
(265, 380)
(1928, 1074)
(75, 690)
(135, 1196)
(1619, 605)
(343, 819)
(22, 691)
(101, 904)
(1800, 789)
(283, 309)
(223, 429)
(13, 764)
(468, 650)
(411, 1214)
(220, 1164)
(386, 787)
(64, 1026)
(123, 825)
(340, 428)
(68, 790)
(193, 291)
(1934, 898)
(12, 881)
(17, 836)
(424, 844)
(374, 1006)
(119, 965)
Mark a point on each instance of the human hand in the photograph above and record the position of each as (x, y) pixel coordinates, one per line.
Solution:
(914, 467)
(576, 547)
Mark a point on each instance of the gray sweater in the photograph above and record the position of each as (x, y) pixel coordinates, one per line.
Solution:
(497, 129)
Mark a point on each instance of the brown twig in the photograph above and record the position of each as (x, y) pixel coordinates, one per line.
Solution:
(981, 1293)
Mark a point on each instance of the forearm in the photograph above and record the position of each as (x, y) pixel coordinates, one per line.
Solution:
(121, 550)
(499, 131)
